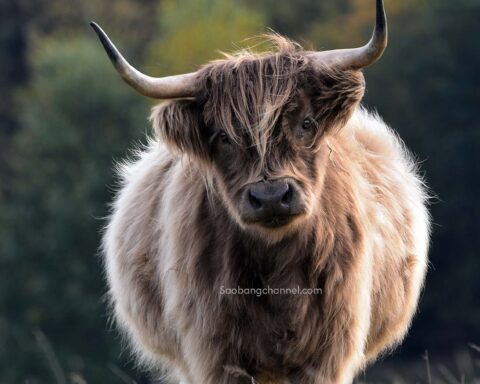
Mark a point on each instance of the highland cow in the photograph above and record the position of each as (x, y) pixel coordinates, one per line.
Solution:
(265, 172)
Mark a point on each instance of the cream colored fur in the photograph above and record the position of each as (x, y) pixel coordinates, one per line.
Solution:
(152, 235)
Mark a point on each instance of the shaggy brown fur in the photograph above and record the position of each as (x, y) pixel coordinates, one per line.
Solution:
(176, 237)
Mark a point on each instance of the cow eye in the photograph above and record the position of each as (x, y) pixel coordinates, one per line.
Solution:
(223, 137)
(307, 124)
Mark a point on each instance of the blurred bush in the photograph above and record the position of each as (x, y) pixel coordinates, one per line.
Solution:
(75, 117)
(193, 32)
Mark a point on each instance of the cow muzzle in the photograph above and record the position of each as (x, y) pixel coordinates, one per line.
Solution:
(272, 204)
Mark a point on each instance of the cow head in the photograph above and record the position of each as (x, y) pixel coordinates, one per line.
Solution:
(259, 123)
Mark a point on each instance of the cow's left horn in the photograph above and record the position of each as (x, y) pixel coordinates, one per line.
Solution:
(169, 87)
(357, 58)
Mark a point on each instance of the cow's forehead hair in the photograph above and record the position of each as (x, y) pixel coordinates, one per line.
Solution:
(247, 91)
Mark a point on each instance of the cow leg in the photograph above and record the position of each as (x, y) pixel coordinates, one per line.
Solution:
(346, 322)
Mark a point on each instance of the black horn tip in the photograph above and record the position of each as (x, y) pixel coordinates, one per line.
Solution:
(107, 44)
(381, 20)
(96, 28)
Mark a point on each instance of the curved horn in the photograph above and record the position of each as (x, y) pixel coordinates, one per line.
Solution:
(169, 87)
(357, 58)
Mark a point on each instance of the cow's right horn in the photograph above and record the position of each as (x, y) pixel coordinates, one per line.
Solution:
(169, 87)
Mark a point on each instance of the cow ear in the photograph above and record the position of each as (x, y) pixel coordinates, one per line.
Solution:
(337, 95)
(180, 125)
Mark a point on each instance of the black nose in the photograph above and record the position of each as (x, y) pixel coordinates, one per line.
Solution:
(271, 198)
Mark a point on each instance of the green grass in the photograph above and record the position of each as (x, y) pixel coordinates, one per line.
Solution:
(461, 368)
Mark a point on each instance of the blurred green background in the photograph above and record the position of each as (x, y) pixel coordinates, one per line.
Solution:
(65, 117)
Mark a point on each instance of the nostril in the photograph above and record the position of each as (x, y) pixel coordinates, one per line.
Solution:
(287, 197)
(254, 202)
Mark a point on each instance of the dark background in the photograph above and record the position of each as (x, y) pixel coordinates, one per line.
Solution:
(65, 117)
